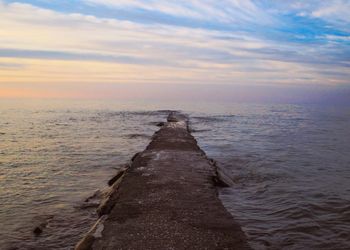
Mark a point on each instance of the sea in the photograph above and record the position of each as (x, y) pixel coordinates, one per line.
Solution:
(289, 165)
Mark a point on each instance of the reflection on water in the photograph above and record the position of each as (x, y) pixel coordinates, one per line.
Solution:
(290, 166)
(51, 160)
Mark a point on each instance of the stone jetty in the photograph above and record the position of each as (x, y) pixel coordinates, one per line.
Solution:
(166, 199)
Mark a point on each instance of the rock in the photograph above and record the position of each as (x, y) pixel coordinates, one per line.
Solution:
(97, 195)
(224, 177)
(43, 221)
(116, 177)
(86, 243)
(110, 197)
(134, 157)
(219, 182)
(172, 119)
(38, 230)
(95, 232)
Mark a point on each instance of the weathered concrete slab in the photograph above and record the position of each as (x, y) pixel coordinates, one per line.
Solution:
(166, 200)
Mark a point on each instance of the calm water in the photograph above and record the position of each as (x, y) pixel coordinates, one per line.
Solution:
(290, 166)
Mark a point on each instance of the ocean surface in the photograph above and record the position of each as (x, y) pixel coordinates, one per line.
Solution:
(290, 165)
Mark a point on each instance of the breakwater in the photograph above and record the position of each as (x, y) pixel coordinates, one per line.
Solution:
(166, 199)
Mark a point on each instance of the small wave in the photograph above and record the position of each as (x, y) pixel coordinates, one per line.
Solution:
(159, 124)
(199, 130)
(339, 207)
(92, 201)
(62, 124)
(209, 118)
(136, 136)
(147, 113)
(166, 111)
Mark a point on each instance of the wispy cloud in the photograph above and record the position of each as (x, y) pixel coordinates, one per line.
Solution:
(226, 10)
(231, 41)
(9, 66)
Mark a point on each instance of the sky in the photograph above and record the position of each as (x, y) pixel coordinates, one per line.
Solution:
(227, 49)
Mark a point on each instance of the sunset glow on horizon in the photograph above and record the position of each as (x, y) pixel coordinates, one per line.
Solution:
(89, 48)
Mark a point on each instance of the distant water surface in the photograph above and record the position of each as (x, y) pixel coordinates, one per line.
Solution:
(290, 165)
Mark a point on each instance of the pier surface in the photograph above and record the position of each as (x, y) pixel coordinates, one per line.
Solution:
(166, 199)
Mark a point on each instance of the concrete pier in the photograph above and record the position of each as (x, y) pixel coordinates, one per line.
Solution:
(166, 199)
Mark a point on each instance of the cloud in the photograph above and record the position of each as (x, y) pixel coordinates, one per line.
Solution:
(331, 12)
(336, 10)
(11, 66)
(71, 56)
(229, 42)
(225, 10)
